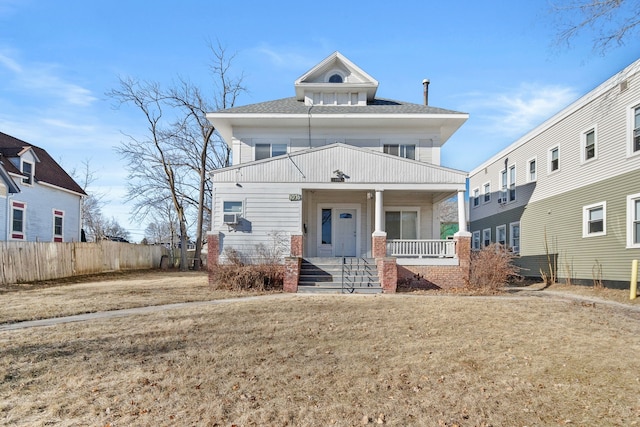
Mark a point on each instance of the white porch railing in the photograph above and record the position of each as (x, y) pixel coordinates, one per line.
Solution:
(421, 248)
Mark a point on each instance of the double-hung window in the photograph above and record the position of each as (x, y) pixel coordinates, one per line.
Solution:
(232, 211)
(514, 237)
(503, 187)
(264, 151)
(408, 151)
(634, 137)
(58, 222)
(27, 171)
(512, 183)
(486, 237)
(476, 197)
(589, 151)
(554, 159)
(594, 220)
(532, 171)
(501, 235)
(633, 221)
(18, 219)
(475, 241)
(487, 192)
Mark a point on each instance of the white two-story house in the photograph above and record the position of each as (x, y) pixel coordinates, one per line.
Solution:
(335, 171)
(39, 201)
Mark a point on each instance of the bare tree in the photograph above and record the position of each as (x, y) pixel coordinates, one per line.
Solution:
(612, 22)
(93, 221)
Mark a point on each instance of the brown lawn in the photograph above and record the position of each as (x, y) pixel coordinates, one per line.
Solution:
(398, 360)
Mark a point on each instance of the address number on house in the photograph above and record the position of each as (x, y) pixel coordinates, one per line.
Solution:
(295, 197)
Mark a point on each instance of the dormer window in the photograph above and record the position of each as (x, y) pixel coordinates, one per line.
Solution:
(335, 78)
(27, 170)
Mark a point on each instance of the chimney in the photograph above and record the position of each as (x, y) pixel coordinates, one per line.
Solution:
(425, 83)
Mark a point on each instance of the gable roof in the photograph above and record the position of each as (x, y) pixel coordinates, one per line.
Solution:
(12, 187)
(362, 165)
(47, 171)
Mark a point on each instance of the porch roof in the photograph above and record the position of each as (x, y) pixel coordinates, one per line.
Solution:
(316, 167)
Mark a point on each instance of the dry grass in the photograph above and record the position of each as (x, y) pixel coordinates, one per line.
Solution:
(309, 361)
(617, 295)
(105, 292)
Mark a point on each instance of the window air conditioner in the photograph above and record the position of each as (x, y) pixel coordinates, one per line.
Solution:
(231, 218)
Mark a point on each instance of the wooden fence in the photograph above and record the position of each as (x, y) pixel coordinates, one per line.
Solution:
(31, 261)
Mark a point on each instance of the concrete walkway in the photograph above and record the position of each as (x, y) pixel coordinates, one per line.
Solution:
(519, 292)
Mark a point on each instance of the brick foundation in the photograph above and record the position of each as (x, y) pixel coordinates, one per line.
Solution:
(296, 245)
(291, 274)
(388, 274)
(213, 254)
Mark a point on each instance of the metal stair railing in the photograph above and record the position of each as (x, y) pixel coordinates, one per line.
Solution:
(347, 276)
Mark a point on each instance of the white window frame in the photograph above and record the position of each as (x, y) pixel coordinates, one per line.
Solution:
(402, 150)
(401, 209)
(475, 240)
(271, 145)
(512, 178)
(241, 213)
(58, 213)
(504, 186)
(486, 236)
(531, 178)
(501, 229)
(486, 192)
(631, 200)
(630, 129)
(31, 177)
(583, 145)
(550, 160)
(476, 197)
(21, 234)
(586, 220)
(515, 248)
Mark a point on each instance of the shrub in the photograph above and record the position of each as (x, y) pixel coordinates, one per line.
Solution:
(492, 268)
(236, 275)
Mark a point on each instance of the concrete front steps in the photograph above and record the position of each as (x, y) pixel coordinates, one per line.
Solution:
(325, 275)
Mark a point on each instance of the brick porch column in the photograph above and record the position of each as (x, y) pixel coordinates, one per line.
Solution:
(463, 253)
(291, 274)
(296, 245)
(213, 254)
(388, 274)
(379, 244)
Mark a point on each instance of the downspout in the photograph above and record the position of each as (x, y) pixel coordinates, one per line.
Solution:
(9, 197)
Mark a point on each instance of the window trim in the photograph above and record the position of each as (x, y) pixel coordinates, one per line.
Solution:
(402, 150)
(18, 234)
(585, 219)
(484, 243)
(476, 197)
(241, 214)
(475, 240)
(511, 183)
(511, 245)
(503, 180)
(31, 177)
(550, 160)
(583, 144)
(270, 144)
(502, 227)
(630, 129)
(401, 209)
(486, 195)
(57, 213)
(533, 160)
(631, 199)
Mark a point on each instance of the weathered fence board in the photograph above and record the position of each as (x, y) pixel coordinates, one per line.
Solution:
(31, 261)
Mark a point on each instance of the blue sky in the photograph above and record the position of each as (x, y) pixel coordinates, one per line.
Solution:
(491, 59)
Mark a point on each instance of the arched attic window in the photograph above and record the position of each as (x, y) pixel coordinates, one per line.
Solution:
(335, 78)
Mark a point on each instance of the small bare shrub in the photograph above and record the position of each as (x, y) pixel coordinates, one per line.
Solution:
(596, 273)
(492, 268)
(236, 275)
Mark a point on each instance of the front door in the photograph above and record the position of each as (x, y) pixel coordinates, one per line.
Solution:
(345, 232)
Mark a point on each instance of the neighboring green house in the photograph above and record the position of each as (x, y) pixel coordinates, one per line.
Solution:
(569, 189)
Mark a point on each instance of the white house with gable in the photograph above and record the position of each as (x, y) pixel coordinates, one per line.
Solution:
(335, 172)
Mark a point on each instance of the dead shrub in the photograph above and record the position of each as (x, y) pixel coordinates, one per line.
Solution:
(236, 275)
(492, 268)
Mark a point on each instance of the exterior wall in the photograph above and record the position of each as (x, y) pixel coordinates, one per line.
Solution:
(552, 206)
(41, 200)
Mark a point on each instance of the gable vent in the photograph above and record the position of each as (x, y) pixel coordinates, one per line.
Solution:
(624, 85)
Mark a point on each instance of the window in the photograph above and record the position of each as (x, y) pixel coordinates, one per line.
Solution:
(475, 242)
(58, 217)
(27, 169)
(406, 151)
(503, 187)
(531, 177)
(401, 224)
(634, 137)
(335, 78)
(18, 211)
(554, 159)
(594, 220)
(486, 237)
(487, 192)
(326, 226)
(501, 235)
(633, 221)
(514, 237)
(264, 151)
(476, 197)
(232, 211)
(589, 145)
(512, 183)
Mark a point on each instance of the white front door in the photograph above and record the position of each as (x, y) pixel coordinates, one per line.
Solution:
(345, 232)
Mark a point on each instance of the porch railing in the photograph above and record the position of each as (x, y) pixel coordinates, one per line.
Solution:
(421, 248)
